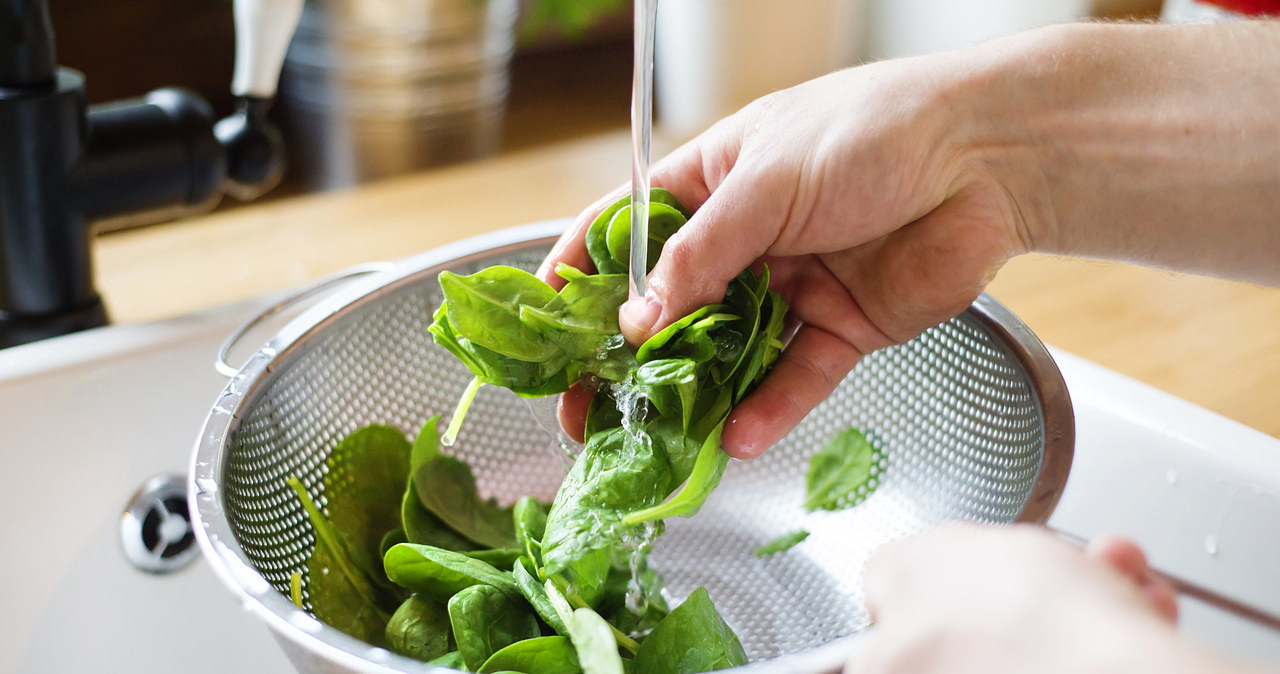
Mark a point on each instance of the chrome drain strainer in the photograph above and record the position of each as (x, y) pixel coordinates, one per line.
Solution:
(155, 530)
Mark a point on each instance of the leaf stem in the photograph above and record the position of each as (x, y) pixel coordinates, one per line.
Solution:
(464, 403)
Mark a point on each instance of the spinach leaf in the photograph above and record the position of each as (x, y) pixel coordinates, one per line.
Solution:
(485, 308)
(452, 660)
(363, 487)
(843, 473)
(536, 594)
(485, 620)
(594, 641)
(530, 518)
(420, 629)
(439, 574)
(782, 543)
(342, 589)
(500, 558)
(542, 655)
(692, 638)
(447, 488)
(617, 471)
(421, 527)
(707, 470)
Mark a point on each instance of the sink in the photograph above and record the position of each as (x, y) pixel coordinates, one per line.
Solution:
(88, 418)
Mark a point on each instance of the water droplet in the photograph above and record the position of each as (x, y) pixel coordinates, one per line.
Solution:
(1211, 545)
(1171, 476)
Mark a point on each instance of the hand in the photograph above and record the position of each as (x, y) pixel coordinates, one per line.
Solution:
(968, 599)
(849, 189)
(885, 197)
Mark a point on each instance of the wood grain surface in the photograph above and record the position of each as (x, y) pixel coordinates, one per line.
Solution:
(1212, 342)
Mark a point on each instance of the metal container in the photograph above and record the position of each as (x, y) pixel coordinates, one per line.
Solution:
(376, 88)
(972, 418)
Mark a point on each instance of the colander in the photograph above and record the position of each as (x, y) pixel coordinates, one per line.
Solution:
(972, 419)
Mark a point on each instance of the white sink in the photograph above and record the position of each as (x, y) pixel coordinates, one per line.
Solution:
(86, 419)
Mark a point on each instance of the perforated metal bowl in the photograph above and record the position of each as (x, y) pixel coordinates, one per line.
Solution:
(972, 417)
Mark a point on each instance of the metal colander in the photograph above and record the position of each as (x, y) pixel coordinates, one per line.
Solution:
(972, 420)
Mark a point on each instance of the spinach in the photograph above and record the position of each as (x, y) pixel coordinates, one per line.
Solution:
(485, 620)
(440, 574)
(594, 641)
(843, 473)
(536, 594)
(452, 660)
(341, 581)
(420, 629)
(692, 638)
(447, 489)
(366, 477)
(541, 655)
(530, 518)
(782, 543)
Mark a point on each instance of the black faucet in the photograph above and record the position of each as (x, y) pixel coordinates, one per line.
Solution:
(65, 165)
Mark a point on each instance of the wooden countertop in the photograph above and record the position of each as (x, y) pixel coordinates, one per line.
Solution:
(1215, 343)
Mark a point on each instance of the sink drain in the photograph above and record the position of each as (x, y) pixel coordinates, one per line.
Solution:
(155, 530)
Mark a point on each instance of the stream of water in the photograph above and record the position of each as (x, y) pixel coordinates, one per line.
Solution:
(646, 18)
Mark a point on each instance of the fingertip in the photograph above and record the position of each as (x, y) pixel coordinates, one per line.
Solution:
(572, 411)
(745, 437)
(637, 318)
(1121, 554)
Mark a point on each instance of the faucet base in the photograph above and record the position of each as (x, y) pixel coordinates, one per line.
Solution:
(16, 329)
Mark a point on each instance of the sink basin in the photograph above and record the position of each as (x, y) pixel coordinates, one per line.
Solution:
(88, 418)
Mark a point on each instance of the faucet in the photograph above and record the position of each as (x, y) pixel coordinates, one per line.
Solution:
(65, 166)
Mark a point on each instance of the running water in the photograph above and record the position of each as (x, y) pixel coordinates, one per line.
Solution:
(646, 19)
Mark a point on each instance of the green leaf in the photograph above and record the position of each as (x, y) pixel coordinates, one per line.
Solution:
(692, 638)
(485, 620)
(530, 519)
(542, 655)
(594, 641)
(536, 594)
(782, 543)
(447, 488)
(707, 470)
(420, 629)
(452, 660)
(363, 487)
(499, 558)
(439, 574)
(340, 583)
(485, 308)
(842, 473)
(616, 472)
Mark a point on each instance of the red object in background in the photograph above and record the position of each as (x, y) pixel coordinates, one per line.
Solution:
(1249, 7)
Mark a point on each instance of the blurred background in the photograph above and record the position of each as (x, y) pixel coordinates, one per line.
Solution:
(375, 88)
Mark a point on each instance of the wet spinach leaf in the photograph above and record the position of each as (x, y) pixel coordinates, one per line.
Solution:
(782, 543)
(485, 620)
(692, 638)
(530, 518)
(452, 660)
(420, 629)
(594, 641)
(842, 473)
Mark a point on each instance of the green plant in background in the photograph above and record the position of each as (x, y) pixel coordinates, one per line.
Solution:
(571, 17)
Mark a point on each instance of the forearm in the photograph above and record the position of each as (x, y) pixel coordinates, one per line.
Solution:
(1146, 143)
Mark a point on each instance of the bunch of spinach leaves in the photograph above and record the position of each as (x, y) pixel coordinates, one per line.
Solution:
(654, 423)
(462, 582)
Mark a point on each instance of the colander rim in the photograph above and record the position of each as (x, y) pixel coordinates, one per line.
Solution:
(233, 568)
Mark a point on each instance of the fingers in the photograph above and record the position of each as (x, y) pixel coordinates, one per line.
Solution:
(572, 411)
(571, 248)
(735, 226)
(808, 370)
(1126, 557)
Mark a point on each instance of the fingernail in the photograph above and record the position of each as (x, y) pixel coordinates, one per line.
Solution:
(638, 316)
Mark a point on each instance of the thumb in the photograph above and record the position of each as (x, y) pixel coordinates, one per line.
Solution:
(733, 229)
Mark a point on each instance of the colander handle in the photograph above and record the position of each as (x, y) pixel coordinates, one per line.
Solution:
(227, 369)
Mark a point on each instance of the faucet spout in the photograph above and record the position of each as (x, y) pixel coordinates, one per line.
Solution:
(26, 44)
